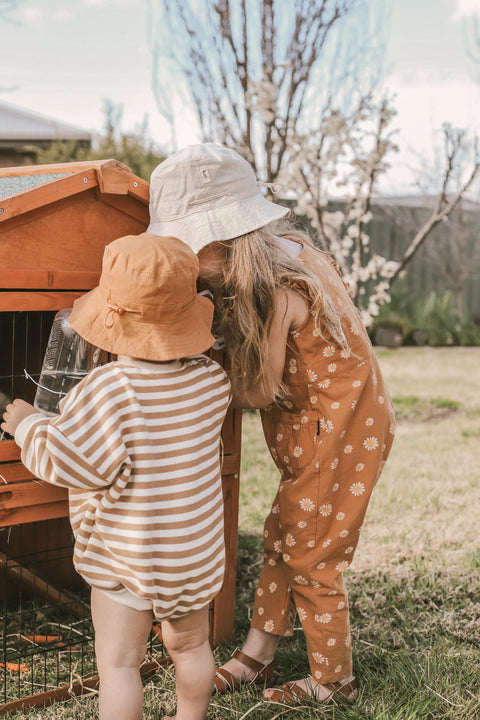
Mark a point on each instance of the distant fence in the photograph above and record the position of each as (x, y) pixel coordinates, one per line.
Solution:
(449, 259)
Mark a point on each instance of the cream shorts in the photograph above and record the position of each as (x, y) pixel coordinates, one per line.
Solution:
(125, 597)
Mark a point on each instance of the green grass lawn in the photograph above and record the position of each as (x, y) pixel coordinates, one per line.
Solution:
(415, 582)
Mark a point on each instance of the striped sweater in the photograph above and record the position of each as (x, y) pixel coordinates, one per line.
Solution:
(137, 445)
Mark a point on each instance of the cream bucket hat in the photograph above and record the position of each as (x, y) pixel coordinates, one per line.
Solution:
(207, 193)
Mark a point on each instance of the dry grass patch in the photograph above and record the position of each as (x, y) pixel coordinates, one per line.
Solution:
(427, 501)
(414, 584)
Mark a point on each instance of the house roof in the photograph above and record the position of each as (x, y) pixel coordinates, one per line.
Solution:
(19, 124)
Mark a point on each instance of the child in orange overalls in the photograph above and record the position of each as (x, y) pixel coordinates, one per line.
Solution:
(300, 353)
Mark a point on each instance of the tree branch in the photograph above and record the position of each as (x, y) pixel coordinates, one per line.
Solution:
(442, 209)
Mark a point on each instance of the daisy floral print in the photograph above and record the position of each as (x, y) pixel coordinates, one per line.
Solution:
(329, 440)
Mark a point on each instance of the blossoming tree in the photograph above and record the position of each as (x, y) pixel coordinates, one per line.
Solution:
(290, 86)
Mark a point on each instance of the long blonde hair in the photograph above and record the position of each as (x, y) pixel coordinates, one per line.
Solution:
(255, 266)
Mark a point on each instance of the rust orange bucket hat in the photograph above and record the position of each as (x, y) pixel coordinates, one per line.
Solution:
(146, 304)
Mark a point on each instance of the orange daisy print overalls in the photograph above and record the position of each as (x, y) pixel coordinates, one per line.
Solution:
(329, 439)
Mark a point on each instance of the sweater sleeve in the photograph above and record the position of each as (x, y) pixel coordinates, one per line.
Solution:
(83, 447)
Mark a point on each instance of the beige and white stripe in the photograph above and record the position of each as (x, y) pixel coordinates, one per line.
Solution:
(138, 447)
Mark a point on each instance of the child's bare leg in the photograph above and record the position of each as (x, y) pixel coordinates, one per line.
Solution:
(121, 635)
(186, 639)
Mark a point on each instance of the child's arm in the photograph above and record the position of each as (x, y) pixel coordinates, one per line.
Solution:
(290, 312)
(64, 450)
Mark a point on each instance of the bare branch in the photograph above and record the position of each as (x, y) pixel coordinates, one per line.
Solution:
(249, 67)
(442, 209)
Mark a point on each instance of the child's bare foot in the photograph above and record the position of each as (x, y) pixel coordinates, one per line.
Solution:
(307, 689)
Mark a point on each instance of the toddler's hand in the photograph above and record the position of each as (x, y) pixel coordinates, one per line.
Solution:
(15, 412)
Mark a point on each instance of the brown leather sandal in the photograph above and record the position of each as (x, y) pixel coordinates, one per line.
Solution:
(291, 693)
(225, 682)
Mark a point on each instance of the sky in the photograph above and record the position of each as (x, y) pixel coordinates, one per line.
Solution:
(62, 59)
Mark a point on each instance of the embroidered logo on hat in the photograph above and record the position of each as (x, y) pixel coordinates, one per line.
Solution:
(205, 175)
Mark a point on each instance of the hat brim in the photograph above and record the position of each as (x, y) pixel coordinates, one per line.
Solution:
(220, 222)
(128, 334)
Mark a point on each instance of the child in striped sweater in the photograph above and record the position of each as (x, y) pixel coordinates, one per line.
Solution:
(137, 446)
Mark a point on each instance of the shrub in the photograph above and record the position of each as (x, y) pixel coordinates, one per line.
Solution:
(430, 319)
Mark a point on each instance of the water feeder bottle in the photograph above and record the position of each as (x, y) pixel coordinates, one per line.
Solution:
(68, 358)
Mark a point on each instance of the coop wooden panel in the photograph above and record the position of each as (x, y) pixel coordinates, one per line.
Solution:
(68, 234)
(223, 603)
(34, 513)
(31, 492)
(14, 473)
(51, 279)
(128, 206)
(9, 450)
(41, 300)
(230, 464)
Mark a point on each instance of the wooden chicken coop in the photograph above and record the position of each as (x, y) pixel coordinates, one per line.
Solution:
(54, 223)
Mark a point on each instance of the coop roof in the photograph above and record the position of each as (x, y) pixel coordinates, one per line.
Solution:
(19, 124)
